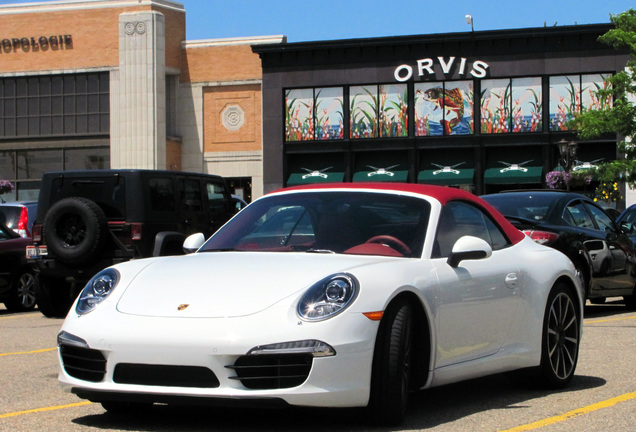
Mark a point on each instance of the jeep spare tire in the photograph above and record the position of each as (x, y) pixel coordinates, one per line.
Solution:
(75, 230)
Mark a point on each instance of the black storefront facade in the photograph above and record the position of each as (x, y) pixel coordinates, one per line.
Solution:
(483, 111)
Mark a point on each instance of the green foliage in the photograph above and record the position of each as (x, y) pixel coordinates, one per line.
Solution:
(620, 117)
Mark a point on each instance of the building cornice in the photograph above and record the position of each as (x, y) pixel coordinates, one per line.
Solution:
(437, 38)
(69, 5)
(254, 40)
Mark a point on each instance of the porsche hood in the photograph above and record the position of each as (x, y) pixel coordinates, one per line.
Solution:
(228, 284)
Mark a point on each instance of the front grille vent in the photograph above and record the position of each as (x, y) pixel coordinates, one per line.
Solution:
(83, 363)
(272, 371)
(165, 375)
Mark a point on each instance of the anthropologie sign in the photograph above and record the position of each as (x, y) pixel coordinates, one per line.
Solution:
(36, 42)
(425, 67)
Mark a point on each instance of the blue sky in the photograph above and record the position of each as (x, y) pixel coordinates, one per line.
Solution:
(302, 20)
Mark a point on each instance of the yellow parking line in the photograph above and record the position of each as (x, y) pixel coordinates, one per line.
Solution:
(608, 320)
(53, 408)
(28, 352)
(573, 413)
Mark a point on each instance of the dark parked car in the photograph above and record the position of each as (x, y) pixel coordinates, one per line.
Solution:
(19, 216)
(16, 275)
(575, 225)
(90, 220)
(627, 221)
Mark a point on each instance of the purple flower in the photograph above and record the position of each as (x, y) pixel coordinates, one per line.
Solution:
(6, 186)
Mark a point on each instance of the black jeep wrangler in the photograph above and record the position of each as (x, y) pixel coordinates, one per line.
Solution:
(89, 220)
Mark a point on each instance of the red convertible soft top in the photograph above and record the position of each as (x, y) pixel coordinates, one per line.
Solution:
(443, 194)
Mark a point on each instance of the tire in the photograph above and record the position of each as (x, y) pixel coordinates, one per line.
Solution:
(23, 296)
(560, 339)
(53, 297)
(75, 230)
(391, 373)
(630, 301)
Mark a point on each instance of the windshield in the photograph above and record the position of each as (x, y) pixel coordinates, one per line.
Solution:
(328, 222)
(533, 206)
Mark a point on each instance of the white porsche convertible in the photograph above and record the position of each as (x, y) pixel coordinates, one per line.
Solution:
(341, 295)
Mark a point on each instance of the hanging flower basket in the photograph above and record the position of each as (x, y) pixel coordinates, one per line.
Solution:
(558, 179)
(6, 186)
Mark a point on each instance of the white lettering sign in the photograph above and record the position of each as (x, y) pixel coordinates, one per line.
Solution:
(425, 67)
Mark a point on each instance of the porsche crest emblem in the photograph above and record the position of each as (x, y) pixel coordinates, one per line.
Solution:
(182, 306)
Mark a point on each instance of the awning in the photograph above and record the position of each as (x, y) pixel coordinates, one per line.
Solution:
(381, 174)
(385, 166)
(449, 167)
(447, 176)
(315, 168)
(310, 176)
(514, 173)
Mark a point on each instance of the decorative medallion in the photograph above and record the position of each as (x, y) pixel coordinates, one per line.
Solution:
(233, 117)
(141, 27)
(182, 306)
(130, 28)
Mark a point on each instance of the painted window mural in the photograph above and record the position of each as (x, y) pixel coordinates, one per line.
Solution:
(444, 108)
(329, 113)
(571, 93)
(393, 110)
(378, 111)
(511, 105)
(565, 100)
(314, 114)
(507, 105)
(299, 120)
(527, 110)
(364, 111)
(495, 106)
(590, 86)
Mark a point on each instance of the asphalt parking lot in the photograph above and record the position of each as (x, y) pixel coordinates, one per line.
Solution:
(602, 395)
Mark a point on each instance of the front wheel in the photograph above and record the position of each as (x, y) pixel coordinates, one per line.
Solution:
(392, 365)
(23, 293)
(561, 337)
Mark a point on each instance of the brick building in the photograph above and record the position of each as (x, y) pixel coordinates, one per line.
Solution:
(87, 84)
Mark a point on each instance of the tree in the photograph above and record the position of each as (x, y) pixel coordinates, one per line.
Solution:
(619, 117)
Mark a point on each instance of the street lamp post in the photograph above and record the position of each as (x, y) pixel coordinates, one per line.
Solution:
(567, 150)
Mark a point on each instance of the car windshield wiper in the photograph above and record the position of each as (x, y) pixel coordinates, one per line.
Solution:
(219, 250)
(320, 251)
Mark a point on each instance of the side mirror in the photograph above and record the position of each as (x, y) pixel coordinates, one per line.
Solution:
(627, 228)
(193, 243)
(468, 248)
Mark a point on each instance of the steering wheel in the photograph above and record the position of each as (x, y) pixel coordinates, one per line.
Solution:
(392, 242)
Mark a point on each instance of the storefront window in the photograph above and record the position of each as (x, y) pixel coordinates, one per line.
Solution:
(565, 100)
(526, 105)
(364, 111)
(393, 111)
(7, 165)
(444, 108)
(329, 113)
(495, 106)
(72, 104)
(87, 158)
(32, 164)
(590, 85)
(299, 118)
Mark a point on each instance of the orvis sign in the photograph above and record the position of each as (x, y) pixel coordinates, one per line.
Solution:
(425, 67)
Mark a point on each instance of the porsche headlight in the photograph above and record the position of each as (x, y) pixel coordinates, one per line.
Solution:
(96, 290)
(328, 297)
